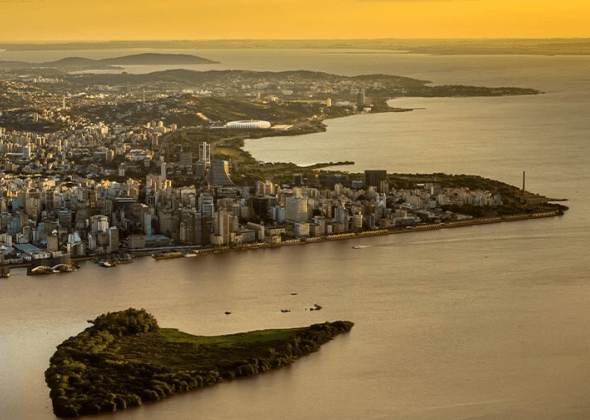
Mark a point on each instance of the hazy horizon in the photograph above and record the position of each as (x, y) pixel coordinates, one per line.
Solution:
(440, 46)
(49, 20)
(85, 41)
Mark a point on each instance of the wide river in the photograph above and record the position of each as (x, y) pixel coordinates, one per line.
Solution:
(485, 322)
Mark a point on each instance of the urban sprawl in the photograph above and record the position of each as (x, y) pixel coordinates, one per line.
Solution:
(74, 212)
(73, 186)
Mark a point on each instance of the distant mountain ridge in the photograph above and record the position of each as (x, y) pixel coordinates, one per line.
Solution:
(156, 58)
(127, 60)
(70, 62)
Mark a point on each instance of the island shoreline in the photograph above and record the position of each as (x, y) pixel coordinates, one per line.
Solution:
(125, 360)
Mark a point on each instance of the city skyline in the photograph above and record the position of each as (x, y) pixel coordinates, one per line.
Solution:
(71, 20)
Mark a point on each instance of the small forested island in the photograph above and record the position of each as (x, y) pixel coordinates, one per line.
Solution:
(125, 359)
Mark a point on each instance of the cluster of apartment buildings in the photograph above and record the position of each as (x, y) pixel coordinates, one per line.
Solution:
(84, 148)
(55, 198)
(78, 216)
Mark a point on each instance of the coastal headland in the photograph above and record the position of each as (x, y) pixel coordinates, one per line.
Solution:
(125, 359)
(112, 165)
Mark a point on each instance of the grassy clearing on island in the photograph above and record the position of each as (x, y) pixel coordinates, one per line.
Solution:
(173, 349)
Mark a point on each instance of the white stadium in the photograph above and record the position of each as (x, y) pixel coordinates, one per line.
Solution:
(247, 124)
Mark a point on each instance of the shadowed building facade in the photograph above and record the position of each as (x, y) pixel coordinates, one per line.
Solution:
(373, 178)
(219, 173)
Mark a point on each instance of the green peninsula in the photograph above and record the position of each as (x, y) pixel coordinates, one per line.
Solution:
(125, 359)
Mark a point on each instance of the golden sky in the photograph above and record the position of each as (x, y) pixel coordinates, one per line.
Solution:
(22, 20)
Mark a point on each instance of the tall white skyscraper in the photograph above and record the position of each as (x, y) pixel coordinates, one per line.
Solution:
(205, 152)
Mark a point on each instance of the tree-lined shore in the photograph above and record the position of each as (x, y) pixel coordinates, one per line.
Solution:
(125, 359)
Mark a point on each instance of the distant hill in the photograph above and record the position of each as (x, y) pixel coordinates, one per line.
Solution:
(191, 78)
(154, 58)
(71, 62)
(80, 63)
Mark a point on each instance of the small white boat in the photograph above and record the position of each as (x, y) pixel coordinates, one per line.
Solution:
(358, 246)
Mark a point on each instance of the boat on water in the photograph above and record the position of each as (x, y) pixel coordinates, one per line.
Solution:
(358, 246)
(45, 269)
(123, 259)
(168, 255)
(42, 269)
(106, 264)
(63, 268)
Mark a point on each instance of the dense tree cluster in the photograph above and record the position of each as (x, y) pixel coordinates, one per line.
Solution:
(131, 321)
(90, 373)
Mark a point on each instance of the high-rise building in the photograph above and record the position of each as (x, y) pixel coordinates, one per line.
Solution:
(155, 140)
(113, 239)
(297, 179)
(136, 241)
(222, 226)
(269, 188)
(301, 229)
(65, 218)
(360, 98)
(188, 226)
(357, 222)
(219, 173)
(374, 177)
(27, 152)
(279, 214)
(98, 223)
(319, 226)
(169, 224)
(200, 168)
(206, 205)
(186, 156)
(340, 215)
(296, 209)
(260, 207)
(205, 152)
(52, 243)
(259, 188)
(147, 224)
